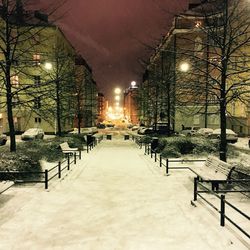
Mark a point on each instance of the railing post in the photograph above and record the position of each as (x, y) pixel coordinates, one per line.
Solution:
(145, 149)
(160, 161)
(46, 179)
(74, 157)
(148, 149)
(87, 148)
(151, 153)
(222, 210)
(155, 157)
(59, 169)
(195, 188)
(68, 162)
(167, 166)
(80, 154)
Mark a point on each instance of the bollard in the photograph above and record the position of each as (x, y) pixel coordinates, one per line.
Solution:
(87, 148)
(195, 188)
(222, 210)
(80, 154)
(166, 166)
(155, 157)
(46, 179)
(59, 169)
(74, 157)
(160, 161)
(68, 161)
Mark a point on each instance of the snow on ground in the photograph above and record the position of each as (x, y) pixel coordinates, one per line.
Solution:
(116, 198)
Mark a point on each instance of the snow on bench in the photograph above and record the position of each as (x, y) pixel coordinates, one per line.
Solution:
(66, 149)
(214, 170)
(5, 185)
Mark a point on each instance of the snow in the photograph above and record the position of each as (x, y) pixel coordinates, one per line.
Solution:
(116, 198)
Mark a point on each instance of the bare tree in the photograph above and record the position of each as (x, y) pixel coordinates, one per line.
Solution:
(220, 74)
(17, 29)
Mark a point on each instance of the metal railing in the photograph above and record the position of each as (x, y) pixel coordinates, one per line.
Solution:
(223, 202)
(42, 176)
(165, 162)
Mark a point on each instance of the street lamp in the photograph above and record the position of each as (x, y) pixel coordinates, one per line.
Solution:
(117, 98)
(184, 67)
(118, 91)
(48, 65)
(133, 84)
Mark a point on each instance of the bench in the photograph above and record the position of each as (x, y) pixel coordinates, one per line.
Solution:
(66, 149)
(214, 171)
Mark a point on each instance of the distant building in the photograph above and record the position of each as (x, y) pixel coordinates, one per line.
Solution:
(101, 107)
(130, 104)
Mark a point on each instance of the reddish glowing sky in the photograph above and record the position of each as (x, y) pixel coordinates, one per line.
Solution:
(107, 34)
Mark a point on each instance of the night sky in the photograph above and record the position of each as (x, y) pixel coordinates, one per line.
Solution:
(110, 34)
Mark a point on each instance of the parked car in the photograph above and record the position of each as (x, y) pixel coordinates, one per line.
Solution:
(85, 131)
(134, 128)
(231, 136)
(162, 128)
(32, 133)
(3, 139)
(205, 132)
(145, 131)
(189, 131)
(110, 125)
(101, 125)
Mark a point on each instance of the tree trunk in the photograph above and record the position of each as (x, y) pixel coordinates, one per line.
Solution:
(10, 112)
(58, 109)
(223, 120)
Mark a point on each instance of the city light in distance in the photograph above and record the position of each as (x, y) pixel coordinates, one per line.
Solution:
(133, 84)
(118, 91)
(117, 98)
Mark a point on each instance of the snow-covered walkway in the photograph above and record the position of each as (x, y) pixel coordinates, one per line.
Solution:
(114, 199)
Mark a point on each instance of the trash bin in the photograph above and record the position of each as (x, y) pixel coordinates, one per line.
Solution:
(89, 139)
(154, 143)
(109, 137)
(126, 137)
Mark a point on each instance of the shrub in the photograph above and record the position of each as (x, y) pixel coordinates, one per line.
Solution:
(170, 152)
(187, 145)
(29, 153)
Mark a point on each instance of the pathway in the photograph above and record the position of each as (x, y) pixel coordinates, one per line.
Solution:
(114, 199)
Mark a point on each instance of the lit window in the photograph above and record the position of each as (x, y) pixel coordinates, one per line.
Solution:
(198, 24)
(15, 81)
(36, 59)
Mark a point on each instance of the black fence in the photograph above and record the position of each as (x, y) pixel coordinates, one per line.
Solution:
(41, 176)
(165, 162)
(223, 202)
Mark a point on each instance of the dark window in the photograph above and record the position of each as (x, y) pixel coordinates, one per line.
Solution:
(37, 103)
(38, 120)
(37, 80)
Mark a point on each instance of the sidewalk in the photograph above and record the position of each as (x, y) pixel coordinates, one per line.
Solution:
(114, 199)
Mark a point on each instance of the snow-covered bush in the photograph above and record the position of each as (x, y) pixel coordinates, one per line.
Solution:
(186, 145)
(170, 152)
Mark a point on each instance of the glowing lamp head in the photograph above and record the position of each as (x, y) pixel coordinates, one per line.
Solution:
(184, 67)
(48, 65)
(133, 84)
(117, 98)
(118, 91)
